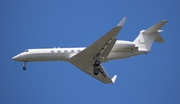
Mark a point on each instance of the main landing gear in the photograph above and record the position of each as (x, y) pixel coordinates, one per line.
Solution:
(96, 72)
(96, 64)
(24, 65)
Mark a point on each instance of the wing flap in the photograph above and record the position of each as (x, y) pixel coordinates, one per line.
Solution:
(107, 49)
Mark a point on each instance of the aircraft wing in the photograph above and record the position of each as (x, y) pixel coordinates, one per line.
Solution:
(88, 68)
(85, 59)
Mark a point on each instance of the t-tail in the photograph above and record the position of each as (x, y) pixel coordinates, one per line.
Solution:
(146, 37)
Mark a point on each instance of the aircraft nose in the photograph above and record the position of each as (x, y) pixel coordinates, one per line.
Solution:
(16, 58)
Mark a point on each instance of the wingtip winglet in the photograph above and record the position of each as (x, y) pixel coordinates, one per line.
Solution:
(164, 20)
(114, 78)
(121, 23)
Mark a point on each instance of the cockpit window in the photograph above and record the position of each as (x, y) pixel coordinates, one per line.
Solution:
(26, 50)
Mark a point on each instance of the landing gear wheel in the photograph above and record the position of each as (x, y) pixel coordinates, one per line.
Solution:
(96, 72)
(97, 63)
(24, 68)
(24, 65)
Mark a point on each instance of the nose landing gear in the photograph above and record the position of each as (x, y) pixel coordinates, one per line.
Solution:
(24, 65)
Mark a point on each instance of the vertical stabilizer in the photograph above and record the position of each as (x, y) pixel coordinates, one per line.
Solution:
(146, 37)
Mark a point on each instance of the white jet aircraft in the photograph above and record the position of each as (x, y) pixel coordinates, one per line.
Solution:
(106, 48)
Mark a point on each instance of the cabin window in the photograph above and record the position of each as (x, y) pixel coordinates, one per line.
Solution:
(65, 51)
(59, 51)
(72, 50)
(52, 51)
(26, 50)
(79, 50)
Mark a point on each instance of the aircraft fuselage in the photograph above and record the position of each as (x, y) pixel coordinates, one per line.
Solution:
(121, 49)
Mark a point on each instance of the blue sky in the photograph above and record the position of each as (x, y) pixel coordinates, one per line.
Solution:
(146, 79)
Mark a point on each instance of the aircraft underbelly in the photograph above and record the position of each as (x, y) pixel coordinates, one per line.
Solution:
(120, 55)
(49, 57)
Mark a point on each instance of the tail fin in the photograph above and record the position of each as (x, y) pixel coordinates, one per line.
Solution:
(146, 37)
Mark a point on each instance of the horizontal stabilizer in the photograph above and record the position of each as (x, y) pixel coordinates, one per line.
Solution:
(158, 38)
(114, 78)
(155, 27)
